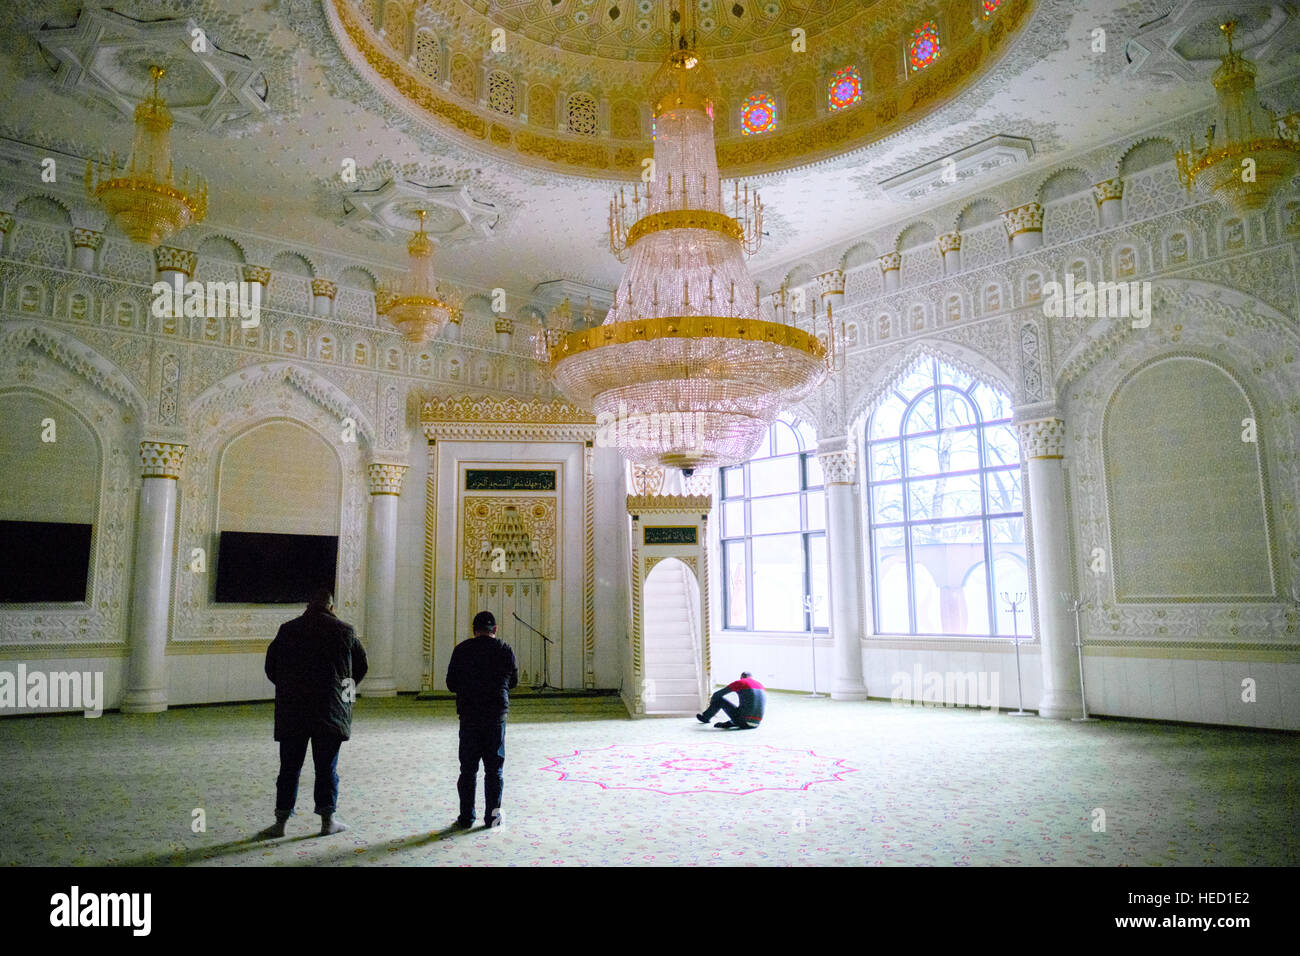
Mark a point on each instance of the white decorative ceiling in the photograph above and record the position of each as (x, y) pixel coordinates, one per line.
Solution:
(275, 171)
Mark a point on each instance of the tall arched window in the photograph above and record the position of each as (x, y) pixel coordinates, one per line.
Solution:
(923, 49)
(582, 114)
(944, 506)
(501, 92)
(844, 89)
(774, 536)
(758, 114)
(426, 54)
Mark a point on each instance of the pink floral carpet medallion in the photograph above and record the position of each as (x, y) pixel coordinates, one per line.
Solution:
(674, 769)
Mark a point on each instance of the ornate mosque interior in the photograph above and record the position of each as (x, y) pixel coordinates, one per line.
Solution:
(929, 359)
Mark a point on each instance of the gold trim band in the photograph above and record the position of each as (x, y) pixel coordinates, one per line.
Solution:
(687, 327)
(682, 101)
(685, 219)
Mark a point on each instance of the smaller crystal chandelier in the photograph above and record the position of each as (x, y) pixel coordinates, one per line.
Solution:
(1249, 152)
(420, 307)
(142, 197)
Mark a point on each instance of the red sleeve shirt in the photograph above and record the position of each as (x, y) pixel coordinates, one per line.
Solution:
(748, 682)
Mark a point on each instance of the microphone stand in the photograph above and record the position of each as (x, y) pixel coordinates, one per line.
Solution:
(545, 685)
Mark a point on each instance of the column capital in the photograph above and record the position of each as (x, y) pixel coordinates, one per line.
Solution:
(1042, 438)
(320, 287)
(259, 274)
(175, 260)
(87, 238)
(831, 283)
(504, 323)
(839, 466)
(161, 459)
(949, 242)
(891, 262)
(1108, 189)
(385, 478)
(1026, 218)
(6, 221)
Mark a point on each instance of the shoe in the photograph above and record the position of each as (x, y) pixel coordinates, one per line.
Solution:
(273, 832)
(701, 718)
(724, 725)
(331, 824)
(463, 823)
(493, 819)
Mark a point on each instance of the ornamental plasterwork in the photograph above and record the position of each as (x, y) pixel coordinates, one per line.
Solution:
(669, 504)
(226, 412)
(888, 105)
(523, 526)
(489, 418)
(234, 86)
(103, 621)
(1261, 349)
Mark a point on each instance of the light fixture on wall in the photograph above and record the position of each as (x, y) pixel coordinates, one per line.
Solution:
(1249, 152)
(142, 196)
(420, 306)
(683, 372)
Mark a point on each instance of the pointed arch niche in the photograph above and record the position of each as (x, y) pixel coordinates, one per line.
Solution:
(669, 530)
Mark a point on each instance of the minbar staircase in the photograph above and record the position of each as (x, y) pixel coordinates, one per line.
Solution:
(672, 656)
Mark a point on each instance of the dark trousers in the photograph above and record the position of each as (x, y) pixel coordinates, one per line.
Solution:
(325, 755)
(481, 739)
(719, 703)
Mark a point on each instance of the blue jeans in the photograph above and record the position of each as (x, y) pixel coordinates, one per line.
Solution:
(485, 740)
(717, 702)
(325, 755)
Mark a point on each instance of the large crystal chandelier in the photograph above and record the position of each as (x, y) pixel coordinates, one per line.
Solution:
(143, 197)
(420, 307)
(683, 372)
(1248, 152)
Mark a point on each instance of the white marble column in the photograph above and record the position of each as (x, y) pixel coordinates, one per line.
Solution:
(85, 243)
(151, 581)
(890, 264)
(505, 329)
(950, 250)
(1109, 194)
(844, 557)
(323, 292)
(381, 579)
(1024, 226)
(175, 266)
(1042, 441)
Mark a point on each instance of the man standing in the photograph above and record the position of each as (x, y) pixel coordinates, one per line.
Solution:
(315, 663)
(753, 701)
(481, 674)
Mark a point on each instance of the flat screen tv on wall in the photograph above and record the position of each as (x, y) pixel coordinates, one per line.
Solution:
(257, 568)
(43, 562)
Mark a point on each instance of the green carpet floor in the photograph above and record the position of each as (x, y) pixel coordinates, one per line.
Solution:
(928, 786)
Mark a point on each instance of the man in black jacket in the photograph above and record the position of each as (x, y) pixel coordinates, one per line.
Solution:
(315, 663)
(481, 674)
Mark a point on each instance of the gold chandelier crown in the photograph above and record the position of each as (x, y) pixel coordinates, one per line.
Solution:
(422, 305)
(1248, 152)
(684, 371)
(142, 196)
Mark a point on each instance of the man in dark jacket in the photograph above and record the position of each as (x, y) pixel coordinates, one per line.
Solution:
(752, 699)
(315, 663)
(481, 674)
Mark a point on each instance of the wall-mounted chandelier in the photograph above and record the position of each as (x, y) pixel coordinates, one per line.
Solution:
(1248, 152)
(683, 372)
(420, 306)
(142, 196)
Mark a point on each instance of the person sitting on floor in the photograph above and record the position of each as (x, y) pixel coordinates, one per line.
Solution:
(752, 702)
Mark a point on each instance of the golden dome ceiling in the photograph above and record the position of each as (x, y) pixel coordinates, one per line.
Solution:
(560, 83)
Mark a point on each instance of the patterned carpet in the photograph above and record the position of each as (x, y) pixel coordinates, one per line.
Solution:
(818, 783)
